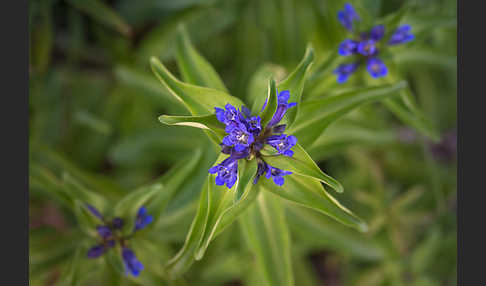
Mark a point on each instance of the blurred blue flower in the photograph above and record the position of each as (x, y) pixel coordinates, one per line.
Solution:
(367, 48)
(347, 16)
(94, 211)
(376, 68)
(343, 71)
(143, 219)
(347, 47)
(401, 35)
(377, 33)
(132, 265)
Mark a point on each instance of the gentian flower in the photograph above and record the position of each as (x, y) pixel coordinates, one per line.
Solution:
(246, 137)
(347, 16)
(376, 67)
(227, 172)
(143, 219)
(366, 46)
(94, 211)
(282, 143)
(347, 47)
(401, 35)
(282, 107)
(277, 175)
(343, 71)
(132, 265)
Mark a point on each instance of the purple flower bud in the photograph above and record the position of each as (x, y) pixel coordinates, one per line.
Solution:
(132, 265)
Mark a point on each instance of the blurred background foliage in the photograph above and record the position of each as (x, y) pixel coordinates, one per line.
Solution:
(94, 105)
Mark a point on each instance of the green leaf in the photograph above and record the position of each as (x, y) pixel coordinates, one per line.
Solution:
(69, 276)
(198, 100)
(317, 114)
(420, 123)
(217, 210)
(258, 86)
(301, 163)
(246, 172)
(194, 68)
(103, 14)
(272, 103)
(266, 233)
(172, 181)
(207, 122)
(113, 257)
(295, 83)
(127, 207)
(311, 194)
(322, 232)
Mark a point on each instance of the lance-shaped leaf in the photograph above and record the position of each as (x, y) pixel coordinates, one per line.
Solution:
(295, 83)
(301, 163)
(266, 233)
(272, 103)
(217, 210)
(311, 194)
(207, 122)
(114, 259)
(103, 14)
(194, 68)
(258, 85)
(316, 115)
(173, 181)
(322, 232)
(415, 120)
(128, 207)
(198, 100)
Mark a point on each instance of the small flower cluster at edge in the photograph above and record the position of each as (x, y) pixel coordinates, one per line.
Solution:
(246, 137)
(366, 45)
(109, 236)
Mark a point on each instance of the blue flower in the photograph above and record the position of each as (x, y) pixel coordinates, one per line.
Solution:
(276, 174)
(117, 223)
(238, 135)
(104, 231)
(401, 35)
(132, 265)
(227, 172)
(367, 48)
(282, 143)
(96, 251)
(282, 106)
(376, 68)
(347, 16)
(143, 219)
(347, 47)
(262, 169)
(377, 33)
(343, 71)
(228, 115)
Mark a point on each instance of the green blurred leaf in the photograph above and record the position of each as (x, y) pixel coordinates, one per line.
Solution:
(311, 194)
(69, 276)
(323, 232)
(113, 258)
(127, 208)
(295, 83)
(217, 210)
(258, 86)
(103, 13)
(301, 163)
(318, 114)
(194, 68)
(267, 235)
(198, 100)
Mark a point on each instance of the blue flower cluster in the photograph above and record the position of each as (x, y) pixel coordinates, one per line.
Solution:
(365, 45)
(109, 234)
(246, 137)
